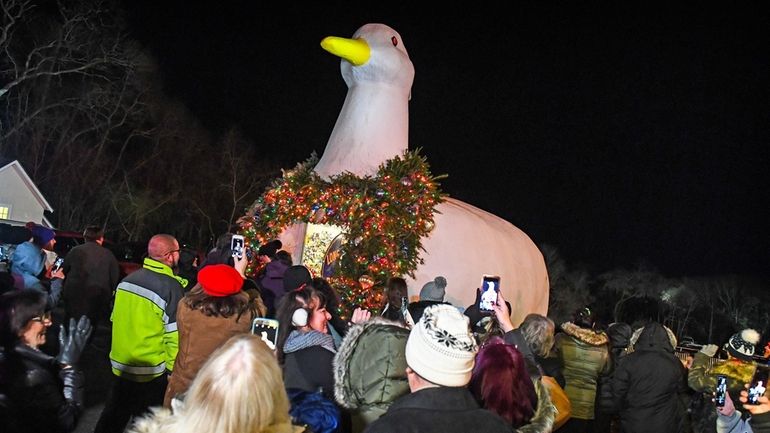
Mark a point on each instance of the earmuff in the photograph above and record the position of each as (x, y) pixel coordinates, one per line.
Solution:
(299, 317)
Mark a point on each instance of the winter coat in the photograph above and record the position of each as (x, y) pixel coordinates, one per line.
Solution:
(620, 338)
(438, 410)
(515, 338)
(308, 359)
(584, 355)
(199, 336)
(702, 379)
(28, 262)
(271, 283)
(545, 413)
(647, 384)
(92, 274)
(759, 423)
(45, 397)
(370, 370)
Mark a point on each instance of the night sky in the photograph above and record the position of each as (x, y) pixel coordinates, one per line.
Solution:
(617, 136)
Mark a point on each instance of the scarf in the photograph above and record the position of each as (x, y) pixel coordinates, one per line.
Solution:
(301, 340)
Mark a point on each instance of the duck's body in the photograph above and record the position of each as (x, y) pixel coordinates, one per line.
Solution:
(373, 127)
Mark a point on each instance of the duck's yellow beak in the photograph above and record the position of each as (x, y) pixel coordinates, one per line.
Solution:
(355, 51)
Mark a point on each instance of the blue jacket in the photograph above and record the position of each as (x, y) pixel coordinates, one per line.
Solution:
(28, 262)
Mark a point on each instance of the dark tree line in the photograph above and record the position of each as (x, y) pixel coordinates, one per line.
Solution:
(708, 309)
(83, 111)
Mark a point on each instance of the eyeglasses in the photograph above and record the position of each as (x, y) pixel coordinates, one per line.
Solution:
(45, 317)
(172, 252)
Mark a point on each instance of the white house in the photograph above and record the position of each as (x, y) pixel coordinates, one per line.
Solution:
(20, 200)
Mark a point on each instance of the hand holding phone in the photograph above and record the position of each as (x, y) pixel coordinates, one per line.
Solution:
(490, 287)
(267, 329)
(237, 244)
(57, 264)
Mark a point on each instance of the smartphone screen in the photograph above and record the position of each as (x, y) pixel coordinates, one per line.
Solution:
(236, 246)
(267, 329)
(721, 389)
(758, 384)
(57, 264)
(490, 285)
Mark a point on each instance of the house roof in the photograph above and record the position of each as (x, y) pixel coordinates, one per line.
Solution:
(6, 164)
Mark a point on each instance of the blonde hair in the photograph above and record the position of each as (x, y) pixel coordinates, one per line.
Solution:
(238, 390)
(537, 331)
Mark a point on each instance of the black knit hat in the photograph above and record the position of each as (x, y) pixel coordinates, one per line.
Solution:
(742, 344)
(295, 276)
(269, 249)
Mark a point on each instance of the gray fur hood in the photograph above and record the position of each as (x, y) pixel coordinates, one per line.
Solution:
(545, 414)
(370, 365)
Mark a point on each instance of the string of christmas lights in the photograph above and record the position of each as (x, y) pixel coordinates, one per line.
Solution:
(384, 218)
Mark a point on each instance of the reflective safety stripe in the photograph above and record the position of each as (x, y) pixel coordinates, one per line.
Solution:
(132, 369)
(171, 327)
(150, 296)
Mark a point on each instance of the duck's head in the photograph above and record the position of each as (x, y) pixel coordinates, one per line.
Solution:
(375, 54)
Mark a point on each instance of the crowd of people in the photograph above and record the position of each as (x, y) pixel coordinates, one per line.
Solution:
(184, 355)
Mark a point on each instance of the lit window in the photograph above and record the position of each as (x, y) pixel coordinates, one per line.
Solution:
(5, 211)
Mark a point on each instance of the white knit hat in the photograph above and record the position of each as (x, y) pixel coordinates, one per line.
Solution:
(441, 347)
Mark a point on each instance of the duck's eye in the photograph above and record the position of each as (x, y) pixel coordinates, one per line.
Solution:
(394, 41)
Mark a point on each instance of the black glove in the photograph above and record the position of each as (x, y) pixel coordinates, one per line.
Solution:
(71, 343)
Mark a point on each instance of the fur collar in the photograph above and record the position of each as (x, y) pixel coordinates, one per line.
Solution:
(545, 414)
(588, 336)
(344, 391)
(735, 369)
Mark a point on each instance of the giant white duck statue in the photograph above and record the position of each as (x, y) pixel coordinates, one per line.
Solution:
(373, 127)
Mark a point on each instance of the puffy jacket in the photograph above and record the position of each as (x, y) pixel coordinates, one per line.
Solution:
(145, 339)
(585, 355)
(45, 397)
(28, 262)
(647, 384)
(370, 370)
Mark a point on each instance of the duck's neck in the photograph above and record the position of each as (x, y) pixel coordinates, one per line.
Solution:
(372, 128)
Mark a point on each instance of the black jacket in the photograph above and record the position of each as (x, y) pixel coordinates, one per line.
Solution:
(310, 369)
(43, 396)
(647, 384)
(439, 410)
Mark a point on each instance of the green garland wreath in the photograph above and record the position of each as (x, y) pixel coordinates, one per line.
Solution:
(384, 217)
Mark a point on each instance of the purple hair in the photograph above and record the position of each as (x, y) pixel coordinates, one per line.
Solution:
(501, 384)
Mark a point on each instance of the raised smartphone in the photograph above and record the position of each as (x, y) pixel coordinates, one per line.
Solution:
(237, 244)
(267, 329)
(758, 384)
(490, 286)
(57, 264)
(720, 391)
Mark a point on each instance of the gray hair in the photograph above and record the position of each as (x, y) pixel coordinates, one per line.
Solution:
(538, 333)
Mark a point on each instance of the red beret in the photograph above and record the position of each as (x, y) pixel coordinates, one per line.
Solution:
(220, 280)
